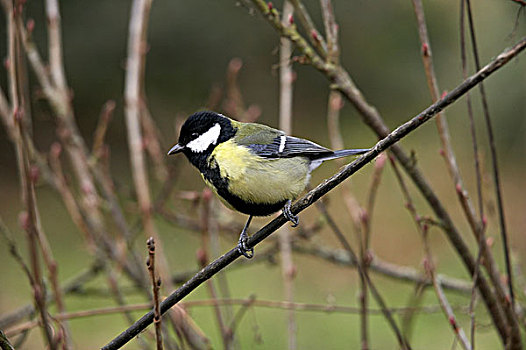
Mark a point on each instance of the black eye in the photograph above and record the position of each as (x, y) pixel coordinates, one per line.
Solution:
(194, 135)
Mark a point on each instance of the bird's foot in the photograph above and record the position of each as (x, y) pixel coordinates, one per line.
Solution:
(288, 214)
(242, 247)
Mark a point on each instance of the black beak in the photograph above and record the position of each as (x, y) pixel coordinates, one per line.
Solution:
(175, 149)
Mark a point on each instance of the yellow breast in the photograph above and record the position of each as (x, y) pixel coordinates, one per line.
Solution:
(260, 180)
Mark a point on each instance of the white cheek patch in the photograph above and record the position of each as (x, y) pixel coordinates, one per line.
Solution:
(282, 141)
(204, 141)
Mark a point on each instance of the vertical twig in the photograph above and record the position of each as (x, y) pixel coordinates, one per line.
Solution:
(495, 168)
(404, 344)
(286, 75)
(441, 121)
(478, 174)
(156, 284)
(29, 222)
(28, 218)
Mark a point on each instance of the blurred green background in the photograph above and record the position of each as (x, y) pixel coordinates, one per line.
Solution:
(190, 46)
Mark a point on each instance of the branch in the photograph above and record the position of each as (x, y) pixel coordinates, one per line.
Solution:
(311, 197)
(341, 80)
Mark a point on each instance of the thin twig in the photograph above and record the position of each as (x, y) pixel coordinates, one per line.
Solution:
(156, 284)
(478, 174)
(496, 175)
(329, 184)
(314, 35)
(30, 223)
(366, 282)
(444, 303)
(251, 301)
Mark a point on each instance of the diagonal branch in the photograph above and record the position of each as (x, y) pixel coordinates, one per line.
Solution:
(329, 184)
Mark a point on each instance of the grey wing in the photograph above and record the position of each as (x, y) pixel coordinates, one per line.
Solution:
(284, 146)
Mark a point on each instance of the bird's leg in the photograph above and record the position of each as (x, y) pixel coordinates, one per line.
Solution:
(243, 239)
(288, 214)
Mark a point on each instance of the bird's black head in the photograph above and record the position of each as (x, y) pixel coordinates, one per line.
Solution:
(201, 133)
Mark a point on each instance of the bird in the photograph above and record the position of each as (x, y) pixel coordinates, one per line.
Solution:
(253, 168)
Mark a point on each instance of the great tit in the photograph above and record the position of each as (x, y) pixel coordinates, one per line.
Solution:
(253, 168)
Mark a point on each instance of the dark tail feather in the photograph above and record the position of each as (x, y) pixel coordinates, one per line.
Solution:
(344, 153)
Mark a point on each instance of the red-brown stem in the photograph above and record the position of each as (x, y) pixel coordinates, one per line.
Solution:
(441, 122)
(156, 284)
(315, 37)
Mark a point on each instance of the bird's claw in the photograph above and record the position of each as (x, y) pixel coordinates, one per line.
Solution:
(242, 247)
(288, 214)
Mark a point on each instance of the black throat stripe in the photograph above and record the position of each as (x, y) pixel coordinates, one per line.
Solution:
(213, 175)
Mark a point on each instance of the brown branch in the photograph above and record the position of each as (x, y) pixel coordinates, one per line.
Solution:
(343, 82)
